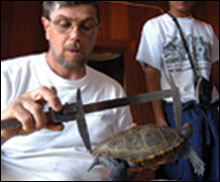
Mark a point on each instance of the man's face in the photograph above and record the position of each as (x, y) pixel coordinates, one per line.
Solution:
(184, 7)
(71, 32)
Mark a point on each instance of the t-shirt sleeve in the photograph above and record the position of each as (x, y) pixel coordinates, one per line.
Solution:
(5, 90)
(150, 46)
(215, 47)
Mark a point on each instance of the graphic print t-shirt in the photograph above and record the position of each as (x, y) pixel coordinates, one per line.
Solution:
(161, 47)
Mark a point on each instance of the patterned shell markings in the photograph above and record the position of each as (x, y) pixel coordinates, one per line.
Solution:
(142, 144)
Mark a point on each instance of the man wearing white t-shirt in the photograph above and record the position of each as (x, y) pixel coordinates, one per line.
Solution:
(162, 50)
(30, 85)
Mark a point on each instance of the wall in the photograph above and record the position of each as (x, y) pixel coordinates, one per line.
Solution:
(21, 30)
(22, 33)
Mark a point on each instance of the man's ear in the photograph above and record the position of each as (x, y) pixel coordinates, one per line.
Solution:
(46, 24)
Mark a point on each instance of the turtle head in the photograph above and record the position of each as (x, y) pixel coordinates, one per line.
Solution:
(187, 131)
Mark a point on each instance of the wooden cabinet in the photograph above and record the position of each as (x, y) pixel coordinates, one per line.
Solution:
(120, 30)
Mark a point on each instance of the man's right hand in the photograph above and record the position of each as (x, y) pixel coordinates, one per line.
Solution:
(28, 109)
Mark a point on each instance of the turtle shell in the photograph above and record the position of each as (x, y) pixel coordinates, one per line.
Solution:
(143, 144)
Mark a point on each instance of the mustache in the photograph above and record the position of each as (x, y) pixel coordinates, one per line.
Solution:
(76, 46)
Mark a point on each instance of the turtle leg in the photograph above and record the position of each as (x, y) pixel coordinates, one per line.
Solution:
(120, 172)
(108, 162)
(197, 163)
(118, 168)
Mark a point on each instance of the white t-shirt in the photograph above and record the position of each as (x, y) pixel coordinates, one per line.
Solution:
(161, 47)
(58, 156)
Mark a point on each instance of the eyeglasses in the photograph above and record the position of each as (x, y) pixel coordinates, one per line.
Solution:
(65, 26)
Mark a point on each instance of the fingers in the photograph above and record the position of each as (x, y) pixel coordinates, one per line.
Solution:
(17, 111)
(133, 125)
(28, 109)
(58, 127)
(35, 100)
(24, 116)
(48, 95)
(31, 114)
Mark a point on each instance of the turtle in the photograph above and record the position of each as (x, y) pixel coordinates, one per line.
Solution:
(146, 145)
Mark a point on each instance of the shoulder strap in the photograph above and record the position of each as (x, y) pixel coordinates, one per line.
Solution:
(184, 42)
